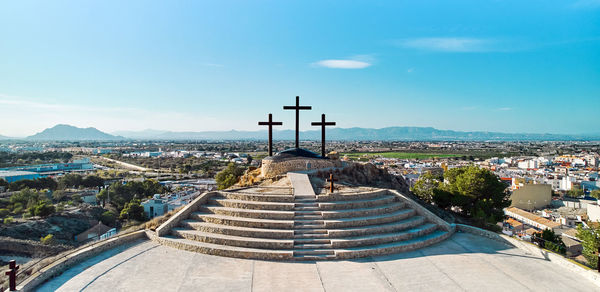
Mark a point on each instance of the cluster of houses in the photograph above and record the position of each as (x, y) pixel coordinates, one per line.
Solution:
(231, 157)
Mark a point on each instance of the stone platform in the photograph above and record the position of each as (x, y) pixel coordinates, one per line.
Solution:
(464, 262)
(281, 224)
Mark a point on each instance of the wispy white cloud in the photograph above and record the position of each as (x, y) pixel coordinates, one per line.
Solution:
(504, 109)
(410, 70)
(354, 62)
(450, 44)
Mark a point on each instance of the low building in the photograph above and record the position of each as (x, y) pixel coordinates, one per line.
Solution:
(574, 247)
(17, 175)
(156, 206)
(532, 196)
(98, 231)
(593, 212)
(531, 219)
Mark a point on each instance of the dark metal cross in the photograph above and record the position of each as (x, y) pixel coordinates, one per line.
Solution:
(297, 108)
(323, 124)
(12, 275)
(270, 123)
(331, 180)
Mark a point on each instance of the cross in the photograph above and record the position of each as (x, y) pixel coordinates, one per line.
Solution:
(323, 124)
(12, 275)
(297, 108)
(270, 123)
(331, 180)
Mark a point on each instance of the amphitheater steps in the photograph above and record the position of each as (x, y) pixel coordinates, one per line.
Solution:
(304, 227)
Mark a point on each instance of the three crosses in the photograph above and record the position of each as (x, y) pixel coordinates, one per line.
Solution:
(297, 108)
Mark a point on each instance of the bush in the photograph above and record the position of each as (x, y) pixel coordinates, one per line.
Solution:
(133, 211)
(108, 218)
(42, 209)
(229, 176)
(48, 239)
(9, 220)
(4, 213)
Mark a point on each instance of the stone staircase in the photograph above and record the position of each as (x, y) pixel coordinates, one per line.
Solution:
(305, 226)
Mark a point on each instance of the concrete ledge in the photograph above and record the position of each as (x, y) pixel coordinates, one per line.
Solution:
(183, 214)
(533, 249)
(77, 256)
(424, 212)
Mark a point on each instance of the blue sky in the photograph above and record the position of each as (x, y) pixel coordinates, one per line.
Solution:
(509, 66)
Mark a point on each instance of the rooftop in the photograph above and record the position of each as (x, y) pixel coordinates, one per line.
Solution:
(533, 217)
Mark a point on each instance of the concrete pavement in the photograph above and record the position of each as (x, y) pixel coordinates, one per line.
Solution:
(464, 262)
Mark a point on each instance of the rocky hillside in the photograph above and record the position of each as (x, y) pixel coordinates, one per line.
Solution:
(358, 174)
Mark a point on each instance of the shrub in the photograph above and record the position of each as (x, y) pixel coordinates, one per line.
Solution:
(48, 239)
(4, 213)
(108, 218)
(9, 220)
(229, 176)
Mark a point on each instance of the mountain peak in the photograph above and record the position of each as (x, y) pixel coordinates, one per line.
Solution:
(65, 132)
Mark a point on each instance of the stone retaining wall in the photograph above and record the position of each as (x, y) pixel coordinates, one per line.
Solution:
(77, 256)
(424, 212)
(184, 213)
(272, 168)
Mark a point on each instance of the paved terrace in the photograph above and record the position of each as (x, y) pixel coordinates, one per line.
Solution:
(464, 262)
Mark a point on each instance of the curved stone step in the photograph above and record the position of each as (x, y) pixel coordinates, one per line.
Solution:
(369, 220)
(363, 212)
(231, 240)
(255, 205)
(355, 204)
(257, 197)
(224, 250)
(394, 247)
(242, 221)
(374, 229)
(352, 196)
(237, 230)
(249, 213)
(382, 238)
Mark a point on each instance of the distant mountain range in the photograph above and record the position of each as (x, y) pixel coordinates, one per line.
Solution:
(71, 133)
(383, 134)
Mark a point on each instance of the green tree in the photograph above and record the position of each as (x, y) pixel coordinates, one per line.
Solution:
(590, 240)
(70, 180)
(229, 176)
(92, 181)
(550, 240)
(102, 196)
(58, 195)
(133, 211)
(426, 184)
(26, 197)
(42, 209)
(9, 220)
(108, 218)
(4, 213)
(595, 194)
(575, 192)
(471, 191)
(3, 183)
